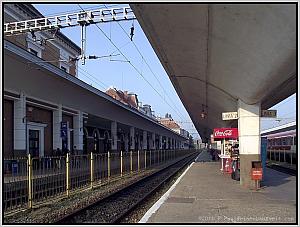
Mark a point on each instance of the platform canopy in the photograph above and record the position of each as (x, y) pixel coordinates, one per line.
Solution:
(215, 54)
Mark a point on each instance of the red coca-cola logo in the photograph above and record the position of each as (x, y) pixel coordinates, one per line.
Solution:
(224, 133)
(220, 133)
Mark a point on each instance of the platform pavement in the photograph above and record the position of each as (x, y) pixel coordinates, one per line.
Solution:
(205, 195)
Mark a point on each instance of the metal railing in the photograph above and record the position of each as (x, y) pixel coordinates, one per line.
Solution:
(286, 156)
(31, 181)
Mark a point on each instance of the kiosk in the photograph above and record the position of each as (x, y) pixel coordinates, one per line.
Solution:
(229, 138)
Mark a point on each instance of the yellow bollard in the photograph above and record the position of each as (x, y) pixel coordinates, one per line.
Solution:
(138, 161)
(131, 162)
(121, 164)
(68, 174)
(29, 163)
(92, 170)
(108, 165)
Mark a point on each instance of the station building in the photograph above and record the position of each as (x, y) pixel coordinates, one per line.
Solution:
(48, 109)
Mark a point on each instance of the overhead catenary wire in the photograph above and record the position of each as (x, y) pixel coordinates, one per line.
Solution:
(135, 68)
(83, 71)
(74, 11)
(143, 59)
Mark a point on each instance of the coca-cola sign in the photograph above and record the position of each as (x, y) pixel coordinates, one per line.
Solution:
(222, 133)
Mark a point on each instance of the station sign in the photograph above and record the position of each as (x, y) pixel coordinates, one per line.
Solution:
(269, 113)
(223, 133)
(229, 116)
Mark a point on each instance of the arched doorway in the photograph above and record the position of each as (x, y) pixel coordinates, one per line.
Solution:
(122, 142)
(106, 142)
(136, 142)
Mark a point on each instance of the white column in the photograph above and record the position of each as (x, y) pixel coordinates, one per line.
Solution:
(153, 145)
(57, 118)
(114, 137)
(20, 123)
(249, 139)
(132, 141)
(160, 142)
(145, 140)
(126, 142)
(78, 131)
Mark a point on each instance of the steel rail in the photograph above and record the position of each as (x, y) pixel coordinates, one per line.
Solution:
(69, 218)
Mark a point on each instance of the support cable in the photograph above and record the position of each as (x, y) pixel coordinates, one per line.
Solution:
(133, 66)
(147, 65)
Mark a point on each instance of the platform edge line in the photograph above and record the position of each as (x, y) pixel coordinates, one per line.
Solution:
(162, 199)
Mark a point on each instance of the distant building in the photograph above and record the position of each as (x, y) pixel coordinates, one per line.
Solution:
(146, 109)
(51, 46)
(170, 123)
(129, 99)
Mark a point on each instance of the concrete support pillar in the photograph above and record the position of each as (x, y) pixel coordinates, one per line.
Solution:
(153, 145)
(114, 137)
(78, 132)
(145, 140)
(20, 124)
(160, 142)
(132, 141)
(126, 140)
(57, 119)
(249, 140)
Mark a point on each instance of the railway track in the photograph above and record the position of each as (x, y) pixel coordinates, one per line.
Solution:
(283, 169)
(116, 206)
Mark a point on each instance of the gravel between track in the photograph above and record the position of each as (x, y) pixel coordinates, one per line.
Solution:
(110, 208)
(50, 212)
(136, 215)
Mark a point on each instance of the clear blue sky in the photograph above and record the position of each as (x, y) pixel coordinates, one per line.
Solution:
(123, 76)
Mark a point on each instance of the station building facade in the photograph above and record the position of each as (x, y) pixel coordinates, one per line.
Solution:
(47, 110)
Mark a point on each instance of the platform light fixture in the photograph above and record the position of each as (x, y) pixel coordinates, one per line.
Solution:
(203, 114)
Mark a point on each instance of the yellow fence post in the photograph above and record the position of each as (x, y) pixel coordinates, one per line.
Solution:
(121, 164)
(131, 162)
(108, 165)
(92, 170)
(138, 160)
(68, 174)
(29, 163)
(145, 159)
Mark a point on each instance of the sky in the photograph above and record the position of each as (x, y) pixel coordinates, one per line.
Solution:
(151, 84)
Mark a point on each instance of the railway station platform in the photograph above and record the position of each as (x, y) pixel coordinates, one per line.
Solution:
(205, 195)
